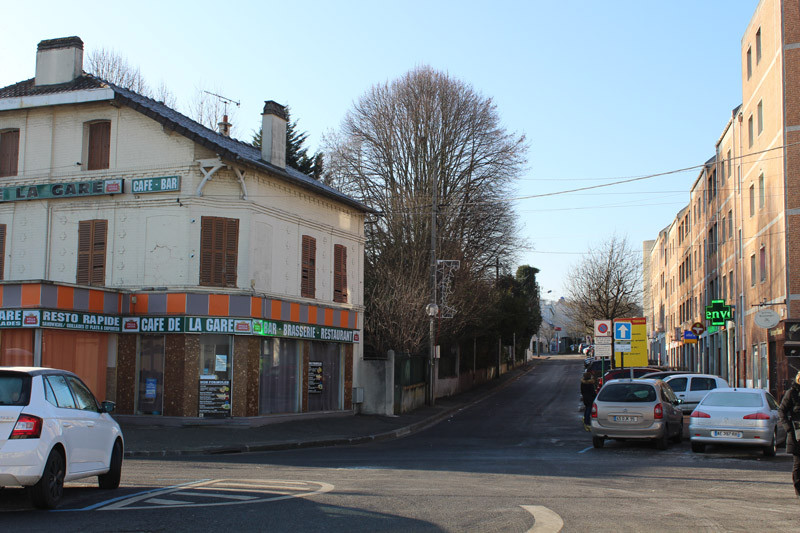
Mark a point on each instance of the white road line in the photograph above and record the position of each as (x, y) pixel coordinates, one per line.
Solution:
(215, 495)
(162, 501)
(586, 449)
(545, 520)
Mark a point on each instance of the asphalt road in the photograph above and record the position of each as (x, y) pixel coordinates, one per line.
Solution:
(517, 461)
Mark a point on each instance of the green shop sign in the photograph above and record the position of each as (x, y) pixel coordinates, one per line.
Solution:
(60, 190)
(269, 328)
(718, 313)
(147, 185)
(44, 318)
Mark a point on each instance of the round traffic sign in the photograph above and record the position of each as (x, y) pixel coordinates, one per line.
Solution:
(602, 327)
(698, 328)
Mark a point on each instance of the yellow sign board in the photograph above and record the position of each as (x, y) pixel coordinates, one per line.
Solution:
(637, 356)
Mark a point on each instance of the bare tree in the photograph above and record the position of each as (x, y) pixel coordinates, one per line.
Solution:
(399, 139)
(111, 66)
(606, 284)
(209, 110)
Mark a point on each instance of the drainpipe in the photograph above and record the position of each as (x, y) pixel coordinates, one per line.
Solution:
(740, 246)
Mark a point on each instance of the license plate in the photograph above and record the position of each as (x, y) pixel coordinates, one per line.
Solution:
(626, 418)
(728, 434)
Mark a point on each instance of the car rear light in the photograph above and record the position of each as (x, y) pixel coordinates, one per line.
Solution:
(700, 414)
(756, 416)
(594, 410)
(27, 427)
(599, 382)
(658, 412)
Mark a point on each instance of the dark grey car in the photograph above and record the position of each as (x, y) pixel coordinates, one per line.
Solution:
(637, 409)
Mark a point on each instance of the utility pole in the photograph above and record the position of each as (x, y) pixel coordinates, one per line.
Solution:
(433, 309)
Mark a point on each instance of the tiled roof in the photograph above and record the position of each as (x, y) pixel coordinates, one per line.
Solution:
(227, 147)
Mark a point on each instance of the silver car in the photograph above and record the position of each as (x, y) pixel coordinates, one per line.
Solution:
(736, 416)
(691, 388)
(636, 409)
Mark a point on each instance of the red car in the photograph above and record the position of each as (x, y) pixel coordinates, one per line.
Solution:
(620, 373)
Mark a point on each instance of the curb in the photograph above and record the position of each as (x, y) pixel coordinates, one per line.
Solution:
(324, 443)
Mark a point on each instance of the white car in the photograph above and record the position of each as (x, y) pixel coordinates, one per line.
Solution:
(691, 388)
(53, 430)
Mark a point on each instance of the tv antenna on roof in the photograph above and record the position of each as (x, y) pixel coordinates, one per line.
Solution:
(225, 101)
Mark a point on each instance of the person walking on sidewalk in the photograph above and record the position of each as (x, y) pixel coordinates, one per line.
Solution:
(588, 393)
(789, 413)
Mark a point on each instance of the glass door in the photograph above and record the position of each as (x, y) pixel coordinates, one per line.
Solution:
(150, 390)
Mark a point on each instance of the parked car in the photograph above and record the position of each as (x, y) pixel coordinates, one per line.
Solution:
(618, 373)
(736, 416)
(664, 373)
(599, 367)
(636, 409)
(53, 430)
(691, 388)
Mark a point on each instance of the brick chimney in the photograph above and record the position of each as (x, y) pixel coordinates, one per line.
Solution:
(59, 61)
(273, 134)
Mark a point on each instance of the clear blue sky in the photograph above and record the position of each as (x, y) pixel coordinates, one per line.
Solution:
(602, 90)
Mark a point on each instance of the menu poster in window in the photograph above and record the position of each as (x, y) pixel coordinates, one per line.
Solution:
(221, 363)
(314, 377)
(215, 398)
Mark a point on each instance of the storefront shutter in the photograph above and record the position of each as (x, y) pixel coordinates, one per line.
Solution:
(308, 283)
(99, 145)
(339, 273)
(9, 152)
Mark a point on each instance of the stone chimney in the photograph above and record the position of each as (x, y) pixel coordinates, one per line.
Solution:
(225, 126)
(273, 134)
(59, 61)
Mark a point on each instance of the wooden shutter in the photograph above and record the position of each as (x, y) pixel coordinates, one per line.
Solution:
(339, 273)
(99, 145)
(9, 152)
(2, 250)
(308, 282)
(219, 251)
(92, 236)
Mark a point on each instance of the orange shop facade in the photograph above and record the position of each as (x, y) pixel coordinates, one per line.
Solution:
(184, 354)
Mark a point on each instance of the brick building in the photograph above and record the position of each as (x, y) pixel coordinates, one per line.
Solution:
(738, 240)
(178, 271)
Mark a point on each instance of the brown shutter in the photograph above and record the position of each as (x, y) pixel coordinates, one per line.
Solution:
(100, 232)
(308, 282)
(9, 152)
(2, 250)
(84, 251)
(339, 273)
(219, 251)
(99, 145)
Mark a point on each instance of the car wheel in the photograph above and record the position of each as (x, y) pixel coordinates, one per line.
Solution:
(47, 492)
(110, 480)
(698, 447)
(662, 442)
(773, 446)
(598, 442)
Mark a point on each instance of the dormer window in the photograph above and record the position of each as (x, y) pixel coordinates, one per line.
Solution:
(9, 152)
(98, 144)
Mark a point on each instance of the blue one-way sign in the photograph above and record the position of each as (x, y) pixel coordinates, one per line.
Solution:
(622, 331)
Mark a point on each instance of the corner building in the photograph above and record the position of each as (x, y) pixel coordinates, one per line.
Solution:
(739, 238)
(178, 271)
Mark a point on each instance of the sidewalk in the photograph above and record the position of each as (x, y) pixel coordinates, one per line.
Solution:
(325, 430)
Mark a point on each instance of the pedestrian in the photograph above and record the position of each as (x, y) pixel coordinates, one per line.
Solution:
(789, 413)
(588, 392)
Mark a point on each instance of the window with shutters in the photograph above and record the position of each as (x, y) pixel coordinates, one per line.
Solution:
(339, 273)
(92, 236)
(2, 250)
(219, 251)
(98, 145)
(308, 274)
(9, 152)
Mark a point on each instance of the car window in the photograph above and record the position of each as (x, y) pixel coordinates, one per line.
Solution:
(677, 384)
(732, 399)
(771, 401)
(699, 383)
(627, 392)
(61, 391)
(14, 389)
(667, 393)
(83, 395)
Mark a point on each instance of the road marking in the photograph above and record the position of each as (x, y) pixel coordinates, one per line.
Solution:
(586, 449)
(259, 491)
(545, 520)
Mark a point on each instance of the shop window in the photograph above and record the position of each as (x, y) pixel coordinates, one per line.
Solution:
(219, 250)
(215, 357)
(2, 251)
(339, 273)
(150, 390)
(280, 376)
(98, 146)
(9, 152)
(308, 275)
(92, 235)
(325, 376)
